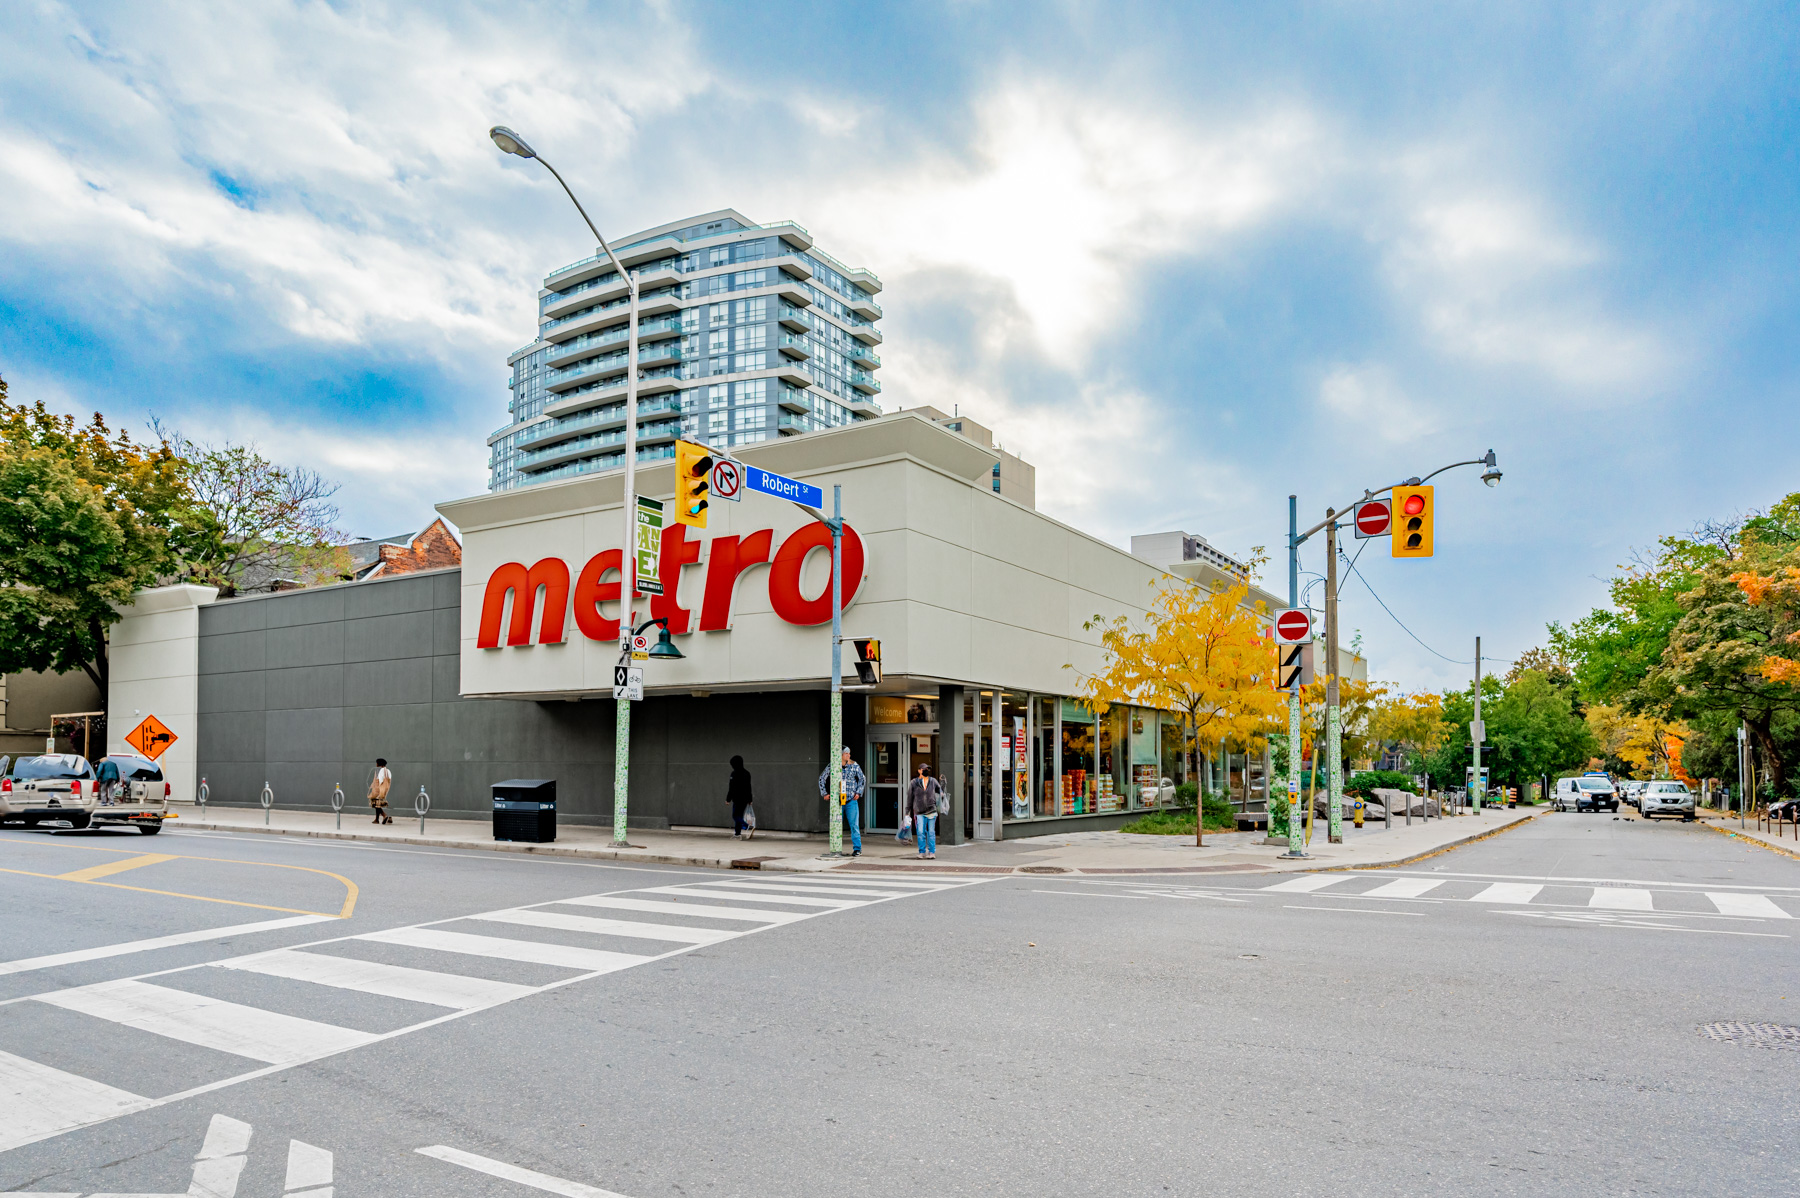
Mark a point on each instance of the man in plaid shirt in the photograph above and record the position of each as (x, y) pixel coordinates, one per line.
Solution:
(854, 786)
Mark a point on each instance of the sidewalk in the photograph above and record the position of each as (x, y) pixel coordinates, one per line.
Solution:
(1075, 852)
(1783, 842)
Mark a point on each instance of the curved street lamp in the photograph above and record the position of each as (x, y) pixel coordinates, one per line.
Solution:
(511, 143)
(1333, 726)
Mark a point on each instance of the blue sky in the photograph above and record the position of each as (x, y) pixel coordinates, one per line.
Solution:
(1185, 259)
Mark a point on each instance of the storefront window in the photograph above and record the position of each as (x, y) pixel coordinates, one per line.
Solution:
(1015, 778)
(1173, 759)
(1079, 783)
(1146, 746)
(1046, 797)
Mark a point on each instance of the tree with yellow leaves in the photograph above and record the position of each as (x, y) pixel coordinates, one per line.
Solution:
(1202, 653)
(1415, 722)
(1641, 742)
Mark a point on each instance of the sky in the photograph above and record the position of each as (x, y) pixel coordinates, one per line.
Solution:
(1186, 259)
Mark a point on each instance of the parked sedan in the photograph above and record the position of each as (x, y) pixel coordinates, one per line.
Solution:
(55, 786)
(1666, 798)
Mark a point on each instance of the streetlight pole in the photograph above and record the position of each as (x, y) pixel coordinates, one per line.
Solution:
(512, 143)
(1477, 791)
(837, 670)
(1296, 832)
(1490, 476)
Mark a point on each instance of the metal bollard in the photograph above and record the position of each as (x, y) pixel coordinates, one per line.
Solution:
(200, 797)
(422, 804)
(337, 804)
(268, 801)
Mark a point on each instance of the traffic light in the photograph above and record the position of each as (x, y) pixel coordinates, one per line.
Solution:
(693, 475)
(868, 660)
(1412, 521)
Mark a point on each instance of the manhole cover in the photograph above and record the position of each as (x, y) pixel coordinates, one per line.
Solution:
(1043, 869)
(1758, 1035)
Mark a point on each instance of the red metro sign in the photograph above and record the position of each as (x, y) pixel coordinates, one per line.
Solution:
(729, 557)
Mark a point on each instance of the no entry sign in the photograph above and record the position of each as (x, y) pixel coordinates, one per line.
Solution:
(1374, 518)
(1293, 626)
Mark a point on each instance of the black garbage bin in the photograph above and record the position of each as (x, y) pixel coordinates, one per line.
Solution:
(525, 809)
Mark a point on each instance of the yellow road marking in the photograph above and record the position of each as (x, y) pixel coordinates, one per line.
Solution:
(95, 872)
(351, 892)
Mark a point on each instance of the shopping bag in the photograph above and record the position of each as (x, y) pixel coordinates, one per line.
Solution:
(904, 832)
(750, 817)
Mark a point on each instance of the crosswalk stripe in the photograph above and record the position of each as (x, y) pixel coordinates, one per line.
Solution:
(40, 1101)
(209, 1022)
(502, 948)
(373, 977)
(532, 917)
(1403, 888)
(869, 880)
(833, 904)
(779, 887)
(1620, 898)
(27, 964)
(1759, 906)
(1507, 892)
(1307, 883)
(684, 910)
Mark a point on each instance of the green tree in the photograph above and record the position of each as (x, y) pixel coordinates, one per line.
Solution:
(91, 516)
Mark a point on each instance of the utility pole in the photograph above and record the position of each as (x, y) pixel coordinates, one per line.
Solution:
(837, 670)
(1477, 730)
(1296, 833)
(1743, 754)
(1334, 799)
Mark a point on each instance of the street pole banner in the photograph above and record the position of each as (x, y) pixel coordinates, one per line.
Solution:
(649, 545)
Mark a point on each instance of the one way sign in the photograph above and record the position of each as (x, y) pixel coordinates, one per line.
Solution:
(628, 683)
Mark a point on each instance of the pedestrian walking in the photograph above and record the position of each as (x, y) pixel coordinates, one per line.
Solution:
(737, 793)
(854, 786)
(923, 795)
(379, 784)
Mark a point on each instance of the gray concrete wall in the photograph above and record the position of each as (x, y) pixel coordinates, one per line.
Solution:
(304, 689)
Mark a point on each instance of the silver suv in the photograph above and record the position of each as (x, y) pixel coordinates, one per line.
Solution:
(56, 786)
(1666, 798)
(133, 791)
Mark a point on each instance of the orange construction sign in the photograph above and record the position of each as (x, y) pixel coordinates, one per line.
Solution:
(152, 738)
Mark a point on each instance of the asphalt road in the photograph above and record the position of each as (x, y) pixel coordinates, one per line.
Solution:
(1520, 1016)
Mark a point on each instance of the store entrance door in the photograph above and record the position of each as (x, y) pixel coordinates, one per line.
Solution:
(894, 757)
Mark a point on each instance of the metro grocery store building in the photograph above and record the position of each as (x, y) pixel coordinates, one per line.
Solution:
(461, 680)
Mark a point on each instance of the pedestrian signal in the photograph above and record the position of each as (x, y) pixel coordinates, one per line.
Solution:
(1413, 516)
(693, 475)
(868, 660)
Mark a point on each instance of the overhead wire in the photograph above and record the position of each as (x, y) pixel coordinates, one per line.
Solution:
(1403, 628)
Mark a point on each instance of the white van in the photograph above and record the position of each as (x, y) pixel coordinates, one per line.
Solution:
(1590, 792)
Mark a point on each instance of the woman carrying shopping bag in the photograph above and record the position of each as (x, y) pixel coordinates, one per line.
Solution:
(380, 782)
(922, 795)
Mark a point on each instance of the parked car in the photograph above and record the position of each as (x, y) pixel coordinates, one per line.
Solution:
(1666, 798)
(55, 786)
(1633, 791)
(1589, 792)
(132, 791)
(1786, 810)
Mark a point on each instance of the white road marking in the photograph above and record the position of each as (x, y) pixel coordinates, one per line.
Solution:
(1507, 892)
(1620, 898)
(832, 904)
(1307, 883)
(1356, 910)
(27, 964)
(506, 1172)
(777, 887)
(1660, 885)
(1756, 906)
(209, 1022)
(672, 933)
(454, 990)
(535, 952)
(41, 1101)
(686, 911)
(885, 883)
(221, 1160)
(307, 1166)
(1403, 888)
(1608, 919)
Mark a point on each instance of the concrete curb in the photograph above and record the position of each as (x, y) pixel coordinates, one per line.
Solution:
(812, 865)
(1758, 841)
(1442, 848)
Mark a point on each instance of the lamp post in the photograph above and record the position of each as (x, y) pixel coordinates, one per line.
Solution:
(512, 143)
(1333, 729)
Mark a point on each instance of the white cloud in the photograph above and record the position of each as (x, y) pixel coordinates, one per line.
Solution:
(1366, 397)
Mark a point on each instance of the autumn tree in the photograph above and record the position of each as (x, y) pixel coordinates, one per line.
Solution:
(1414, 722)
(1199, 652)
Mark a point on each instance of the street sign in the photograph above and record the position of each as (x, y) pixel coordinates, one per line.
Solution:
(1374, 518)
(767, 483)
(1478, 731)
(628, 683)
(640, 647)
(152, 738)
(1290, 668)
(649, 545)
(727, 479)
(1293, 626)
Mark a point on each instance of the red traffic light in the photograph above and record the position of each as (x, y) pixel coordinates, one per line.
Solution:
(1414, 504)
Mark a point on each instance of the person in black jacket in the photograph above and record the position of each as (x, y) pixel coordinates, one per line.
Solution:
(739, 796)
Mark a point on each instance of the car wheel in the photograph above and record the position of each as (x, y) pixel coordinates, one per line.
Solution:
(150, 829)
(79, 819)
(29, 822)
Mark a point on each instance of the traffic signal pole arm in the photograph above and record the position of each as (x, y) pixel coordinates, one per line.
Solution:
(1493, 471)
